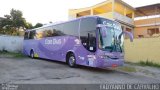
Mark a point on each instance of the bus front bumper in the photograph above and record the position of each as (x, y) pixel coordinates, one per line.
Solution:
(109, 63)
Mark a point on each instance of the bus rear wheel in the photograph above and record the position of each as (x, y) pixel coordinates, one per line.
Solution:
(71, 60)
(32, 54)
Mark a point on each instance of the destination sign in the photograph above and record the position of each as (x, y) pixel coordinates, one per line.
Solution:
(111, 25)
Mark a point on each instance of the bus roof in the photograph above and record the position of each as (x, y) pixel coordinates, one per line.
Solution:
(48, 25)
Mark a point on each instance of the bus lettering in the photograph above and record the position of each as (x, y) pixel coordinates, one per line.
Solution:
(53, 41)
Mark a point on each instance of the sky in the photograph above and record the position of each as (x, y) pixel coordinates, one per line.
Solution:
(45, 11)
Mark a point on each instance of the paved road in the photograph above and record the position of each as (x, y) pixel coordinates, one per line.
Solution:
(37, 71)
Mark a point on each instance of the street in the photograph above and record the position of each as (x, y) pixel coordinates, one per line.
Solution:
(39, 71)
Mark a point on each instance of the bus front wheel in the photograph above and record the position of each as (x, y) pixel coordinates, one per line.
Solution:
(32, 54)
(71, 60)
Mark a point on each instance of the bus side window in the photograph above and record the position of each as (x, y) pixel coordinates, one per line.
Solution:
(57, 30)
(54, 33)
(92, 41)
(39, 34)
(32, 34)
(26, 36)
(71, 28)
(48, 33)
(88, 33)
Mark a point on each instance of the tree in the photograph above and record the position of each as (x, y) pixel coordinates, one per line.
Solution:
(17, 18)
(29, 26)
(5, 24)
(13, 23)
(38, 25)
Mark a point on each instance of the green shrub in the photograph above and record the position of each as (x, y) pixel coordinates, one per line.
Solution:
(149, 63)
(12, 54)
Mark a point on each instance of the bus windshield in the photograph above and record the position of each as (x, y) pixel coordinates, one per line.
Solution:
(112, 40)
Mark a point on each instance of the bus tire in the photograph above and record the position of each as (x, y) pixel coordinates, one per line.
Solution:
(32, 54)
(71, 60)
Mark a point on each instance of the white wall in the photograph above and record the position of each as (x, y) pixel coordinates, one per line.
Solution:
(11, 43)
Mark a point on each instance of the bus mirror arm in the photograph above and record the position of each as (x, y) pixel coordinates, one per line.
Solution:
(126, 33)
(129, 34)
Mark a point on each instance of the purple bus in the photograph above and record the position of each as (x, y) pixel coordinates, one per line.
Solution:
(89, 41)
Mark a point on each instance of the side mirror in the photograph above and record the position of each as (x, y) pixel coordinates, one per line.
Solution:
(129, 34)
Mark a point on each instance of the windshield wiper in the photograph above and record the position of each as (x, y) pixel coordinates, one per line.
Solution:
(116, 45)
(109, 47)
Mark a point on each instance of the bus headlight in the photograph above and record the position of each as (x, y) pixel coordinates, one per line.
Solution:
(103, 56)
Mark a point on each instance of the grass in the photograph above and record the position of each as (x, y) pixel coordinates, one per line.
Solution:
(145, 63)
(149, 63)
(140, 63)
(11, 54)
(127, 69)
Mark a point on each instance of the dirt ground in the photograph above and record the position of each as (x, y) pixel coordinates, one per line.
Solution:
(39, 71)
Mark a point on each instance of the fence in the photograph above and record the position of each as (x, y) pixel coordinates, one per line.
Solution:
(142, 50)
(11, 43)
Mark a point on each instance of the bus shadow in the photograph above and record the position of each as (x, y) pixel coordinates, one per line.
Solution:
(53, 61)
(80, 67)
(97, 70)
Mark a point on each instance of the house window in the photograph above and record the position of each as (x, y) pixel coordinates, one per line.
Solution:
(152, 31)
(141, 36)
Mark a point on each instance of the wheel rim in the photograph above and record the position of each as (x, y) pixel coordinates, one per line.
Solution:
(71, 61)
